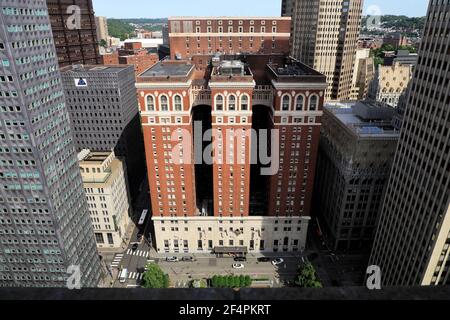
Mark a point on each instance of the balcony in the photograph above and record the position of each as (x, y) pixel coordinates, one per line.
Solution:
(200, 96)
(263, 95)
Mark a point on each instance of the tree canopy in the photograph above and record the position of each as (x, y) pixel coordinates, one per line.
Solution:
(119, 29)
(307, 277)
(155, 278)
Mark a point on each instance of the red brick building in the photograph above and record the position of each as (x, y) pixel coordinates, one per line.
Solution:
(132, 54)
(110, 58)
(193, 36)
(230, 205)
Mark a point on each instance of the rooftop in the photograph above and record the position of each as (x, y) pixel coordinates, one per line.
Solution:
(366, 119)
(95, 68)
(292, 68)
(168, 69)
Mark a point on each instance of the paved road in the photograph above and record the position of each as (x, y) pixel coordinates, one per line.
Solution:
(135, 260)
(207, 267)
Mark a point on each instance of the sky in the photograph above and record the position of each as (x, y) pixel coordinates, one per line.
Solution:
(166, 8)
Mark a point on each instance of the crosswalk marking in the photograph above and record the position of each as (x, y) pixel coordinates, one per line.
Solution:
(136, 276)
(138, 253)
(117, 260)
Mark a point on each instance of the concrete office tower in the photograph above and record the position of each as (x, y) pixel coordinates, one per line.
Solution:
(287, 7)
(325, 37)
(74, 44)
(104, 181)
(190, 36)
(102, 28)
(229, 206)
(104, 113)
(357, 147)
(363, 74)
(412, 245)
(44, 218)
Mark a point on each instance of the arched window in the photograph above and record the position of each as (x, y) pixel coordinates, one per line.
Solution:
(286, 103)
(219, 102)
(178, 103)
(150, 103)
(231, 103)
(313, 103)
(164, 103)
(244, 103)
(300, 103)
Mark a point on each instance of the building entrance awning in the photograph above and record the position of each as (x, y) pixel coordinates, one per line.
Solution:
(230, 250)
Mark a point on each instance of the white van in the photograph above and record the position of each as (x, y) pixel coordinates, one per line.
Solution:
(123, 276)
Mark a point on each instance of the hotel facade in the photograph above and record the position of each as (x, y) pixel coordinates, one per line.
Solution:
(230, 206)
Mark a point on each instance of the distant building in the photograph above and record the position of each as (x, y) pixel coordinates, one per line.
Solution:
(287, 7)
(363, 74)
(104, 114)
(146, 43)
(110, 58)
(165, 35)
(74, 45)
(357, 148)
(325, 37)
(228, 35)
(396, 40)
(134, 54)
(113, 42)
(369, 43)
(102, 28)
(105, 185)
(390, 82)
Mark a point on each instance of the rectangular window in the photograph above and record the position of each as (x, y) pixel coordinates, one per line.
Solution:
(99, 238)
(110, 238)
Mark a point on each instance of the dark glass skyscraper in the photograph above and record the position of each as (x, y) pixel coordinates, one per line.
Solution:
(44, 221)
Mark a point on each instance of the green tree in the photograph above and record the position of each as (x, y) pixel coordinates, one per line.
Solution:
(103, 43)
(242, 282)
(409, 48)
(120, 29)
(220, 282)
(307, 277)
(155, 278)
(248, 281)
(215, 281)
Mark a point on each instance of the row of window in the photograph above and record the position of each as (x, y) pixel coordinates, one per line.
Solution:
(300, 103)
(231, 29)
(230, 103)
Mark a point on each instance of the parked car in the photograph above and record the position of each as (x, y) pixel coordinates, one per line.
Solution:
(187, 259)
(238, 266)
(135, 246)
(264, 259)
(240, 259)
(277, 262)
(172, 259)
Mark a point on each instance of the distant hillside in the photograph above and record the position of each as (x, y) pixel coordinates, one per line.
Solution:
(119, 29)
(403, 24)
(145, 21)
